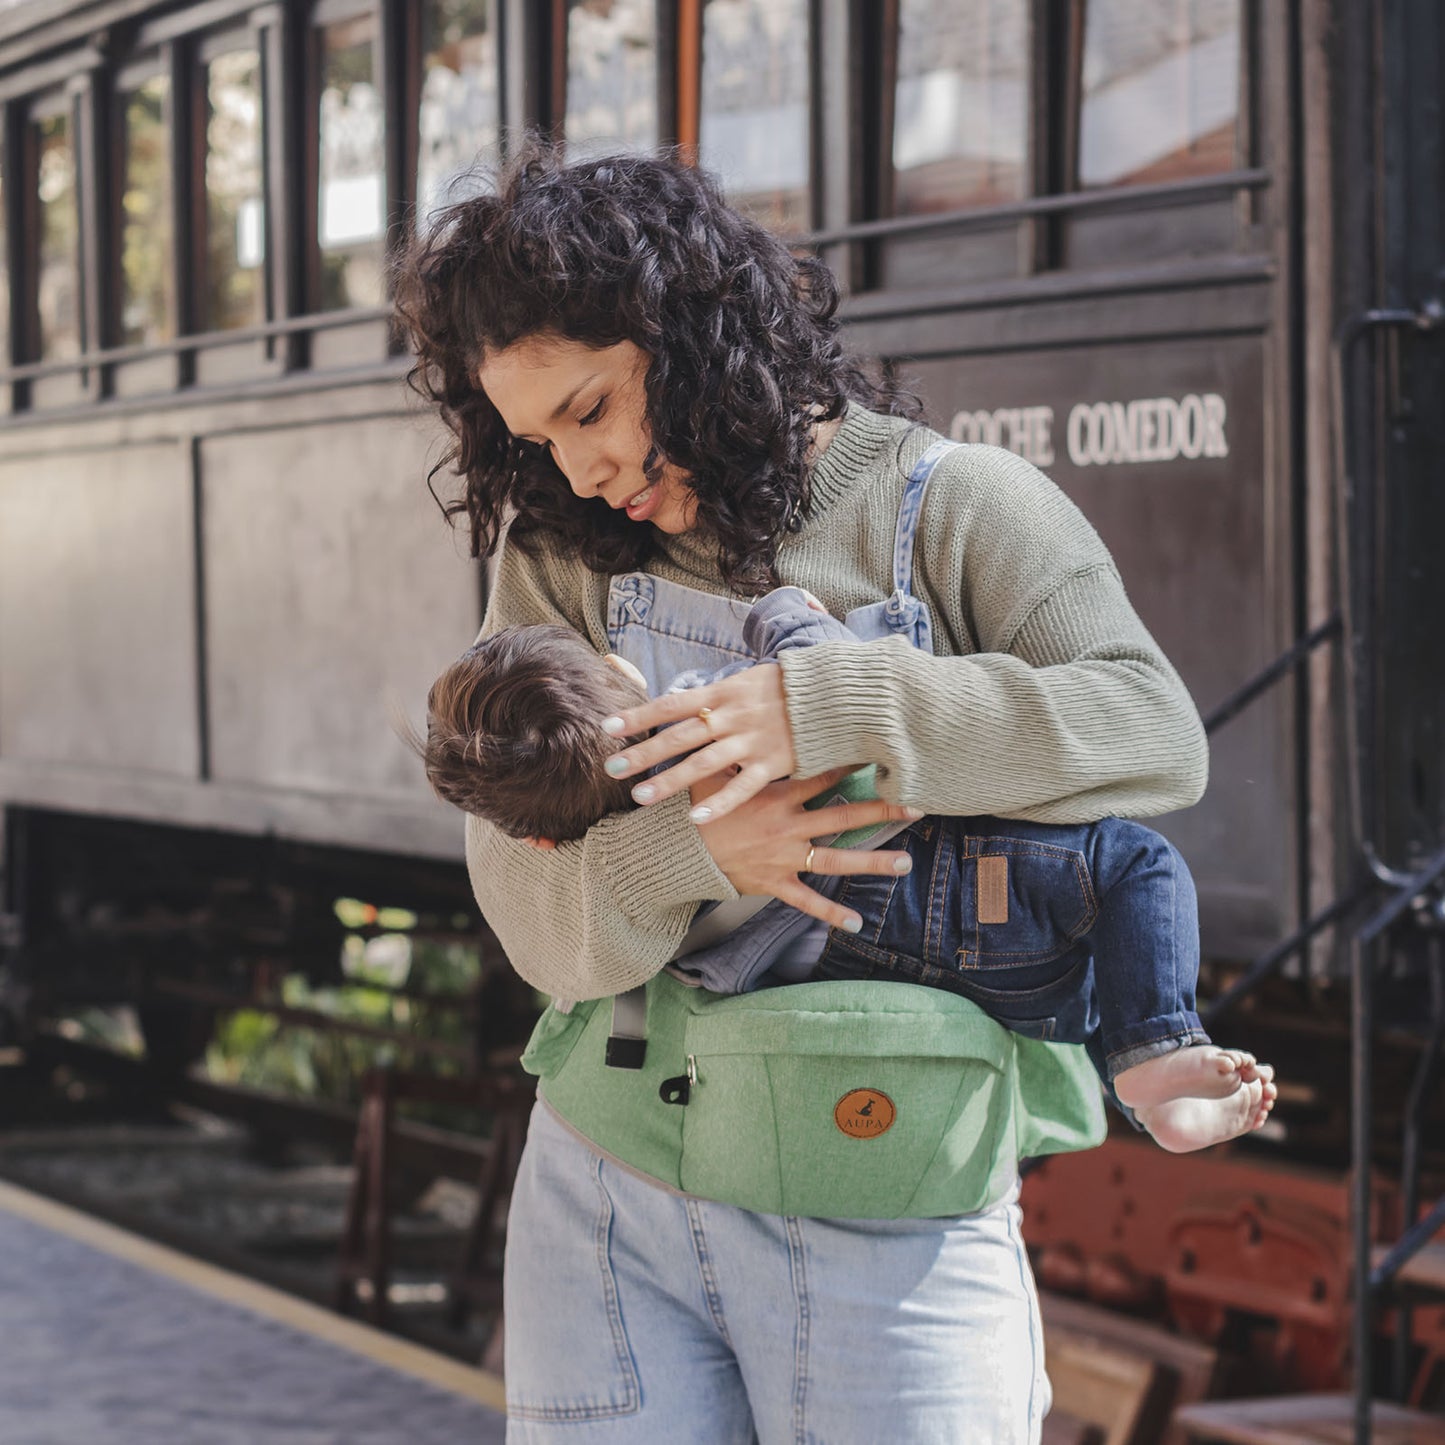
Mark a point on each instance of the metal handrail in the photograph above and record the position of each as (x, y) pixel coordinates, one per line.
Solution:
(1331, 628)
(983, 218)
(195, 341)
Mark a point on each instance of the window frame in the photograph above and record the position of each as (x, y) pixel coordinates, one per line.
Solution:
(413, 52)
(200, 52)
(48, 104)
(125, 80)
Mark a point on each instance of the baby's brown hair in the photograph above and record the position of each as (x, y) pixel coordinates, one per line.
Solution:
(514, 732)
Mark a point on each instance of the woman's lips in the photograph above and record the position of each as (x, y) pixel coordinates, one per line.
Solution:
(642, 506)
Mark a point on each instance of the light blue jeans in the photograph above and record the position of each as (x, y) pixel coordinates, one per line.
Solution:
(636, 1317)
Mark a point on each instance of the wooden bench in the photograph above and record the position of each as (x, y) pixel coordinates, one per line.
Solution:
(1304, 1420)
(1116, 1379)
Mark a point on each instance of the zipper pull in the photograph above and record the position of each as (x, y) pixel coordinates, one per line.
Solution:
(679, 1089)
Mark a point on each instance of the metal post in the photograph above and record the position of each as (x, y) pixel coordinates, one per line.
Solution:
(1362, 958)
(1415, 1110)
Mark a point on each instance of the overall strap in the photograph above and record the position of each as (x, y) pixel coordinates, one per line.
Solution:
(627, 1043)
(630, 602)
(902, 607)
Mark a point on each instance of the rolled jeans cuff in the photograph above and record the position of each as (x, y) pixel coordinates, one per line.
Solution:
(1179, 1037)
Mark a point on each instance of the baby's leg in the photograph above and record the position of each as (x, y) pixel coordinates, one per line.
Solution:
(1184, 1125)
(1146, 964)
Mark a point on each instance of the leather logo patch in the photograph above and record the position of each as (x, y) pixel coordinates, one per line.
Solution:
(864, 1113)
(993, 889)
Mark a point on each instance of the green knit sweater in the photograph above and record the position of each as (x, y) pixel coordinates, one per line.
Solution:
(1046, 697)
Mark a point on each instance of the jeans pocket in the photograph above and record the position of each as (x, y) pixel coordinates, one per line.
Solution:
(1041, 901)
(567, 1352)
(1061, 1008)
(843, 957)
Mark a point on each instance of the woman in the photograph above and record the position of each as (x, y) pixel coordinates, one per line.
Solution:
(652, 388)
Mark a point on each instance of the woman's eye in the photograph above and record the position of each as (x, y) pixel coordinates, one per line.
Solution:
(595, 414)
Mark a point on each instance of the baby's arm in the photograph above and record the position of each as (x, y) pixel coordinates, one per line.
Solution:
(789, 618)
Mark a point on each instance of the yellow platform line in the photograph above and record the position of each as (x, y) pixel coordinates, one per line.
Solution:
(261, 1299)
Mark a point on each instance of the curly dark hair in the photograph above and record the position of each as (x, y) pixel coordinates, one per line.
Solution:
(741, 338)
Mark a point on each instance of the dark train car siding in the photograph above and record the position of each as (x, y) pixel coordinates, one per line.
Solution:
(251, 565)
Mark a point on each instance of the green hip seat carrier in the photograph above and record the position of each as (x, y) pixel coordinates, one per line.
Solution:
(837, 1099)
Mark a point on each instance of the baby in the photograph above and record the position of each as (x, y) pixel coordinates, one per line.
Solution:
(1082, 933)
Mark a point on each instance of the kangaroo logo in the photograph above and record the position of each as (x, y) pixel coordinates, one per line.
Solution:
(864, 1113)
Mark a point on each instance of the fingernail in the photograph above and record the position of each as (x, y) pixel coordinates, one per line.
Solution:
(853, 924)
(612, 726)
(644, 793)
(914, 813)
(616, 765)
(903, 864)
(700, 814)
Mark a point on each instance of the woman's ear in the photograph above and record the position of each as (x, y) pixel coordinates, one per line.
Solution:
(543, 843)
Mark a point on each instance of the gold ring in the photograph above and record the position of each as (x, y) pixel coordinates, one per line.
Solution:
(808, 861)
(705, 717)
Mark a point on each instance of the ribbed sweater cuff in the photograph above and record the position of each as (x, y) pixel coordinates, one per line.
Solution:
(658, 859)
(834, 692)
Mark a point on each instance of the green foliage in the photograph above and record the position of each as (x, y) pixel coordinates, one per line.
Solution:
(256, 1049)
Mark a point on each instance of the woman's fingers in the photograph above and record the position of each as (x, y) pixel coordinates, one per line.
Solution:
(805, 900)
(685, 737)
(749, 782)
(765, 844)
(671, 707)
(719, 758)
(843, 817)
(752, 778)
(746, 712)
(849, 862)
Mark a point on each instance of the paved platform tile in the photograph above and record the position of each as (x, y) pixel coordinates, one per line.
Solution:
(96, 1350)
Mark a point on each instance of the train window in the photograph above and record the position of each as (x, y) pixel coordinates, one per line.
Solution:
(961, 104)
(754, 126)
(235, 291)
(58, 272)
(351, 215)
(459, 117)
(147, 261)
(611, 76)
(1160, 91)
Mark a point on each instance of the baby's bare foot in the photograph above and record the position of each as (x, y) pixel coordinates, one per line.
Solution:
(1203, 1071)
(1184, 1125)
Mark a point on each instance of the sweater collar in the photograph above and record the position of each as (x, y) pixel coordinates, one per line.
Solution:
(851, 454)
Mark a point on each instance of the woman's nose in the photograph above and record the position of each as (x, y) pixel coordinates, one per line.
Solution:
(587, 470)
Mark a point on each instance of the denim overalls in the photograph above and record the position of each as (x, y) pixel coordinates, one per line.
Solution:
(667, 630)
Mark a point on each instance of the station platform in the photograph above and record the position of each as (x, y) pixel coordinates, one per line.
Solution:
(106, 1337)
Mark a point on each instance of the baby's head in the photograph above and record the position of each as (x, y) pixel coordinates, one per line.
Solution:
(514, 732)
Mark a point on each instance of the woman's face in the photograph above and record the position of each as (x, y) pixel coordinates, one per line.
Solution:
(588, 409)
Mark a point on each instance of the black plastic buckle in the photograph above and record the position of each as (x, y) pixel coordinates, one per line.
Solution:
(625, 1053)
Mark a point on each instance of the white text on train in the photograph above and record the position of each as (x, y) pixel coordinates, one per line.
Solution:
(1106, 433)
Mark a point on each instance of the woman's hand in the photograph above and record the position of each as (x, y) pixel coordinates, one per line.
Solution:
(739, 725)
(766, 843)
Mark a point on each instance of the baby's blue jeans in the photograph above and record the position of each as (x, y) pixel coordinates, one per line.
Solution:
(1085, 934)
